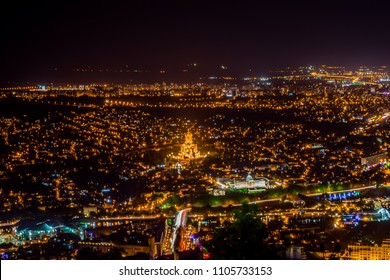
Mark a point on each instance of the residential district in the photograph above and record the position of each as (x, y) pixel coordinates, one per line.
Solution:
(294, 165)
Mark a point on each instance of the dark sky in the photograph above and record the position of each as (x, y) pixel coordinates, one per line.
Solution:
(44, 41)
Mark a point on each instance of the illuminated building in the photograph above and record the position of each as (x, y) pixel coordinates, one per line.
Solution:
(251, 184)
(87, 210)
(359, 251)
(36, 231)
(150, 248)
(188, 150)
(295, 252)
(374, 160)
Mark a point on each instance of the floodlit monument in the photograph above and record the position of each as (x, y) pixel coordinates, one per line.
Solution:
(188, 150)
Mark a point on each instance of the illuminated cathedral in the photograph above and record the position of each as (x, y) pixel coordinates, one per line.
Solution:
(188, 150)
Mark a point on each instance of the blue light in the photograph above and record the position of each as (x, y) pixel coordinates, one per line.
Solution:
(4, 256)
(357, 218)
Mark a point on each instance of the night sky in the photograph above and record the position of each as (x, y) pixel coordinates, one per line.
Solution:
(44, 41)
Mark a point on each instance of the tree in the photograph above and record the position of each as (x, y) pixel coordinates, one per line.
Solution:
(92, 254)
(243, 239)
(113, 254)
(88, 254)
(379, 179)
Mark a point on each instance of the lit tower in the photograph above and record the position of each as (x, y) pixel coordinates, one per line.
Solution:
(188, 150)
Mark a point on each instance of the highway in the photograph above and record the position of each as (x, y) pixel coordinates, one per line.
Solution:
(180, 222)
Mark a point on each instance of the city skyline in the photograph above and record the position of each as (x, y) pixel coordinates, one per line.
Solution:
(296, 164)
(166, 130)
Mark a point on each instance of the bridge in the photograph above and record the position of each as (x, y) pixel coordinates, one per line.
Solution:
(9, 224)
(384, 214)
(124, 218)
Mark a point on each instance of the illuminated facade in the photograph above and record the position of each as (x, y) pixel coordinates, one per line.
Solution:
(261, 183)
(151, 248)
(374, 160)
(368, 252)
(295, 252)
(188, 150)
